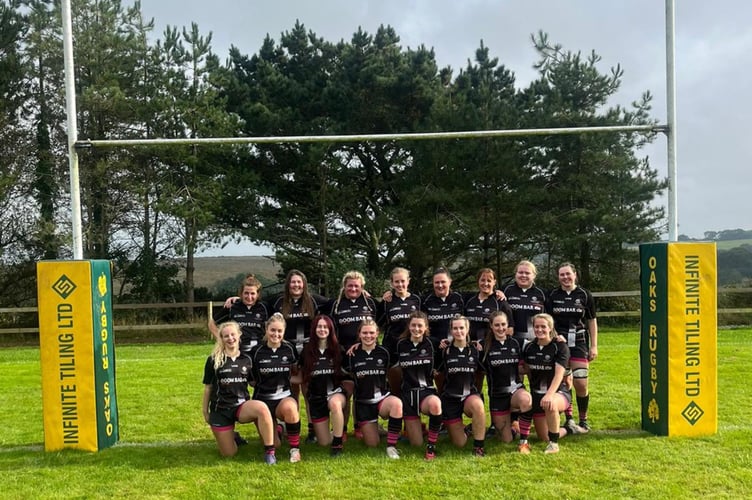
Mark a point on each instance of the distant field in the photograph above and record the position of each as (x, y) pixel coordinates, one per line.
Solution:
(725, 244)
(728, 245)
(210, 270)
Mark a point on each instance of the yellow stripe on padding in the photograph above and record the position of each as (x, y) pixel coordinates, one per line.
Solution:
(692, 339)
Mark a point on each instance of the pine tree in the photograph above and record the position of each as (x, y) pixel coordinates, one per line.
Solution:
(594, 195)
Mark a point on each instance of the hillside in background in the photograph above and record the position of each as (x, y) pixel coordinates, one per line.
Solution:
(734, 247)
(213, 270)
(726, 238)
(729, 244)
(734, 263)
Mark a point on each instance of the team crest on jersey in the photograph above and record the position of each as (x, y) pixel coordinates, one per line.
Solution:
(379, 362)
(244, 370)
(533, 299)
(454, 305)
(284, 359)
(470, 359)
(422, 352)
(258, 315)
(413, 308)
(547, 357)
(365, 309)
(578, 302)
(513, 350)
(486, 310)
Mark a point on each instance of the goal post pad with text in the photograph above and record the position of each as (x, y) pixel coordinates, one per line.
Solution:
(77, 352)
(678, 342)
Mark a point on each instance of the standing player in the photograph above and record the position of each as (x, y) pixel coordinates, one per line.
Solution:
(418, 356)
(442, 305)
(351, 308)
(298, 306)
(461, 362)
(368, 365)
(526, 300)
(274, 360)
(393, 313)
(573, 310)
(545, 361)
(506, 393)
(227, 374)
(480, 305)
(249, 312)
(321, 367)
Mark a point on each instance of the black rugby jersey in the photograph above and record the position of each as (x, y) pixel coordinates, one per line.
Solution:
(394, 315)
(369, 371)
(525, 303)
(541, 364)
(571, 311)
(418, 362)
(441, 311)
(324, 376)
(229, 382)
(348, 315)
(501, 361)
(250, 318)
(459, 367)
(298, 322)
(477, 312)
(272, 369)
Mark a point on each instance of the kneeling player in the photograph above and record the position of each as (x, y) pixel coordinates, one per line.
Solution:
(460, 364)
(226, 400)
(368, 365)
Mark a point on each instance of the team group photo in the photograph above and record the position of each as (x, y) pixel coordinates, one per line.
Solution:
(421, 365)
(373, 249)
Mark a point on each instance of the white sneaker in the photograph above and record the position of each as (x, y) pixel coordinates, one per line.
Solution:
(551, 448)
(294, 455)
(392, 452)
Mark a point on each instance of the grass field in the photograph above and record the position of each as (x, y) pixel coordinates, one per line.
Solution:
(166, 450)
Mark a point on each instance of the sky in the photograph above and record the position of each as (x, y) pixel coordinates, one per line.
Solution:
(713, 77)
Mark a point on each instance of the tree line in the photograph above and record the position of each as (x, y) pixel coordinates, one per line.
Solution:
(323, 207)
(722, 235)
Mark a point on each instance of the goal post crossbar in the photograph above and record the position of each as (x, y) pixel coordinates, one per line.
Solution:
(471, 134)
(74, 144)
